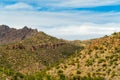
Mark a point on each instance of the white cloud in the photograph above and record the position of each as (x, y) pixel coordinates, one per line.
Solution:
(19, 6)
(83, 31)
(69, 3)
(86, 3)
(56, 18)
(68, 25)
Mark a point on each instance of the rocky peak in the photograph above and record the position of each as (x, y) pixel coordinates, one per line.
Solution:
(9, 35)
(25, 28)
(4, 27)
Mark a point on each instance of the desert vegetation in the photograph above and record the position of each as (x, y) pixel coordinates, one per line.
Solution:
(43, 57)
(101, 59)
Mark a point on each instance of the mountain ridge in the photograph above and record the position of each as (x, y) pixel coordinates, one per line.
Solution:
(34, 52)
(10, 35)
(39, 56)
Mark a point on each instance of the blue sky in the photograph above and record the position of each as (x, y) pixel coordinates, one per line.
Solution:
(68, 19)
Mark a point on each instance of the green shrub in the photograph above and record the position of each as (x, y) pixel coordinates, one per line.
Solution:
(78, 72)
(60, 71)
(62, 77)
(100, 60)
(89, 62)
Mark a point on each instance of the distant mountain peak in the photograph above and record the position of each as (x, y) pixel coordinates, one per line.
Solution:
(25, 27)
(9, 35)
(4, 27)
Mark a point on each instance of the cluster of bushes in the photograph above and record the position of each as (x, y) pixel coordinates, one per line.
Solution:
(89, 62)
(10, 74)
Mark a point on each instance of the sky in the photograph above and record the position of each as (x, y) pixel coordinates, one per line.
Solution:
(66, 19)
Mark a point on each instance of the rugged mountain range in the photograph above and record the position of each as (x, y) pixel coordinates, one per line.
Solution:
(28, 51)
(10, 35)
(28, 54)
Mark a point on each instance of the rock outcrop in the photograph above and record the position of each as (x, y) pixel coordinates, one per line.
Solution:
(10, 35)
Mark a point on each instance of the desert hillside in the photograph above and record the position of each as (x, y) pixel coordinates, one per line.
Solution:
(34, 55)
(35, 52)
(100, 58)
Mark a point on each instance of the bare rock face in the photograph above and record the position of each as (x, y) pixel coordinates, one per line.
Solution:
(10, 35)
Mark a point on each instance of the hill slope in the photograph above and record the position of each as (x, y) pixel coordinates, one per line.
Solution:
(34, 53)
(39, 56)
(100, 58)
